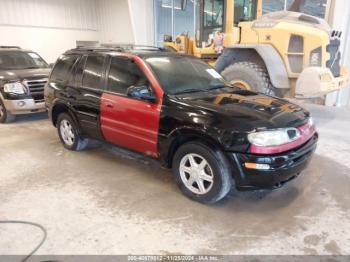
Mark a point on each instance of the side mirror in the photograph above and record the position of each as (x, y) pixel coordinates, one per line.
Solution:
(141, 92)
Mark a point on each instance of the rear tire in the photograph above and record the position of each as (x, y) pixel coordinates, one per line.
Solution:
(69, 134)
(5, 116)
(254, 75)
(202, 173)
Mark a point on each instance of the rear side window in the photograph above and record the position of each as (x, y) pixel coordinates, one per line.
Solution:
(124, 73)
(92, 76)
(63, 68)
(79, 70)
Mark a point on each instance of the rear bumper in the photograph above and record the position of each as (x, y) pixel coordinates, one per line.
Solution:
(24, 106)
(283, 167)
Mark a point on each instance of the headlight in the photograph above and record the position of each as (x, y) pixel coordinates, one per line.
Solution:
(16, 88)
(274, 137)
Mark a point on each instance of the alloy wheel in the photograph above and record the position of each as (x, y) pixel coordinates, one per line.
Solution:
(67, 133)
(196, 174)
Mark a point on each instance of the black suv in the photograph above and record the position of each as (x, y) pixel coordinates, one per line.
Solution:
(23, 75)
(179, 110)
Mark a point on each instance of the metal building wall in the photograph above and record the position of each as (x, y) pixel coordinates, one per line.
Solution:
(170, 20)
(114, 21)
(49, 27)
(142, 21)
(63, 14)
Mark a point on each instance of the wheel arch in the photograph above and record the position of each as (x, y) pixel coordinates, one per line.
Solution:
(183, 136)
(262, 54)
(58, 108)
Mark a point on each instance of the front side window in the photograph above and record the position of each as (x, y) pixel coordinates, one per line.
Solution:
(124, 73)
(213, 13)
(181, 74)
(63, 68)
(12, 60)
(92, 76)
(245, 10)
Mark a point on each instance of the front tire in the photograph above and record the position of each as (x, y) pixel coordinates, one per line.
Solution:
(5, 116)
(202, 173)
(251, 76)
(69, 133)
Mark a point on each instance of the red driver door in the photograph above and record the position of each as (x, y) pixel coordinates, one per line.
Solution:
(125, 121)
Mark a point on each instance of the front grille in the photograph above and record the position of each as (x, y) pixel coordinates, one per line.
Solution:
(333, 49)
(303, 154)
(36, 89)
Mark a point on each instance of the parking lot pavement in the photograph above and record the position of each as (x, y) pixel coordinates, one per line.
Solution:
(106, 200)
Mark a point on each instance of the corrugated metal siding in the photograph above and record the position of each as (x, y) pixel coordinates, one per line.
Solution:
(66, 14)
(163, 21)
(184, 20)
(142, 17)
(114, 21)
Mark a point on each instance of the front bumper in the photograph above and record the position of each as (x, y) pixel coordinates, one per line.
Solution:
(283, 167)
(24, 106)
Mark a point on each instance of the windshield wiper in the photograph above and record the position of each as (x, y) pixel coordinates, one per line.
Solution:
(31, 67)
(217, 87)
(193, 90)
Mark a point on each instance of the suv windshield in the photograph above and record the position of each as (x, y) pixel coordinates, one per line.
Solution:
(20, 60)
(180, 74)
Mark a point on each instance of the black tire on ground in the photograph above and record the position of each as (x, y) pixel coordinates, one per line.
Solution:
(221, 172)
(79, 143)
(255, 75)
(5, 116)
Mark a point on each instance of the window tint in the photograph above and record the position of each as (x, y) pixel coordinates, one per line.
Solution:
(21, 60)
(180, 74)
(79, 69)
(63, 68)
(124, 73)
(93, 72)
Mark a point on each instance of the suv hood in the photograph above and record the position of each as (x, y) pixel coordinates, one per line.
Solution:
(249, 110)
(23, 74)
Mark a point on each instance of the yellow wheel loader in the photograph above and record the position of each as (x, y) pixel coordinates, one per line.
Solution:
(282, 53)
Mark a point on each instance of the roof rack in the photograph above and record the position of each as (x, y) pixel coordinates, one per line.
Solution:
(134, 47)
(120, 48)
(99, 48)
(9, 47)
